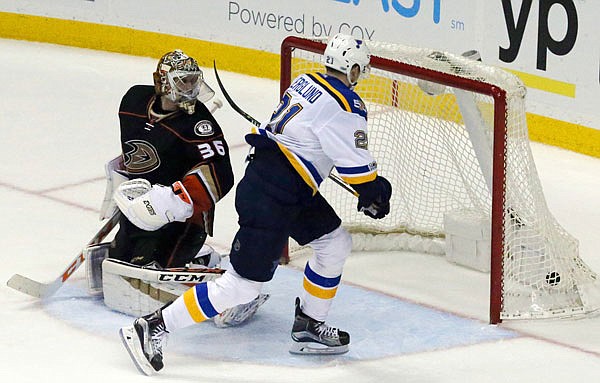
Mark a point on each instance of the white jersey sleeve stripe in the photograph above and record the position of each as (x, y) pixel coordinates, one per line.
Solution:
(356, 169)
(357, 174)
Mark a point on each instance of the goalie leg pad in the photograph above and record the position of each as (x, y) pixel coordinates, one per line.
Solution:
(138, 291)
(94, 255)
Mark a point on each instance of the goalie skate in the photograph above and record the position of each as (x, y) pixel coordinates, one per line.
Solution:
(144, 341)
(241, 313)
(313, 337)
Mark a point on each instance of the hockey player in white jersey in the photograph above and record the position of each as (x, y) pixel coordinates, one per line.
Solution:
(319, 124)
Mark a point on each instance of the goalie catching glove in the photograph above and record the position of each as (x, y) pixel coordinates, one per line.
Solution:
(150, 207)
(374, 197)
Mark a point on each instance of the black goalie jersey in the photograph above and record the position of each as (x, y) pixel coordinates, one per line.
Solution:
(164, 147)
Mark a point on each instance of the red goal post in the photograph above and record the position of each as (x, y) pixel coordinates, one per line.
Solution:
(470, 119)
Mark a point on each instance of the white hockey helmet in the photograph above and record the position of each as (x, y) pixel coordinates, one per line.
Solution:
(179, 78)
(343, 52)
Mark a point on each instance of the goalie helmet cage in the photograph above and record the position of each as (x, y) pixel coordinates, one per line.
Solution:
(450, 134)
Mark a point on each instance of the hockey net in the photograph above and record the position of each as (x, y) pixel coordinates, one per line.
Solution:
(450, 134)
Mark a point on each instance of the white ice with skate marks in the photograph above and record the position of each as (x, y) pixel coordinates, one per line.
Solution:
(379, 325)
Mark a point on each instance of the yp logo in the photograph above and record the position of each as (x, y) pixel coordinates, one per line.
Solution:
(402, 10)
(545, 40)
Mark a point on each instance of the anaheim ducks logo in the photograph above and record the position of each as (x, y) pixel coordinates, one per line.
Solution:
(141, 158)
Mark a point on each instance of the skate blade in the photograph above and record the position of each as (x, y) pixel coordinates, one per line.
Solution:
(313, 348)
(132, 343)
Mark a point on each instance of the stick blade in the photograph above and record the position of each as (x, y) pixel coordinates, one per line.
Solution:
(30, 287)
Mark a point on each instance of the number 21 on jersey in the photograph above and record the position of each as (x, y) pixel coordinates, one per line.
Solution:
(284, 113)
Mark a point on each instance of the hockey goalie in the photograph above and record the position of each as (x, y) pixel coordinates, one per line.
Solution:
(168, 137)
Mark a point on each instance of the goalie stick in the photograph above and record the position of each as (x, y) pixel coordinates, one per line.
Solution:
(45, 290)
(182, 275)
(256, 123)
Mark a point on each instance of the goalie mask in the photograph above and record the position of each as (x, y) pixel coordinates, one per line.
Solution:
(343, 52)
(181, 81)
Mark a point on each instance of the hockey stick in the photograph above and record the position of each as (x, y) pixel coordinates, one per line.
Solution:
(45, 290)
(182, 275)
(248, 117)
(256, 123)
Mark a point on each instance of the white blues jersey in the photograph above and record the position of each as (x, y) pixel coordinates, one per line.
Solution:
(319, 124)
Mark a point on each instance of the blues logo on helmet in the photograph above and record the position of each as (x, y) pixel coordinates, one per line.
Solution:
(343, 52)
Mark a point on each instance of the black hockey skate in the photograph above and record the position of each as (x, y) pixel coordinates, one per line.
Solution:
(313, 337)
(144, 341)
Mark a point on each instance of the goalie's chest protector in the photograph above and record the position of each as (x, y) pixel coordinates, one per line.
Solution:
(163, 151)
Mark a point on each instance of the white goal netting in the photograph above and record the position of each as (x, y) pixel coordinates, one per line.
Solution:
(435, 143)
